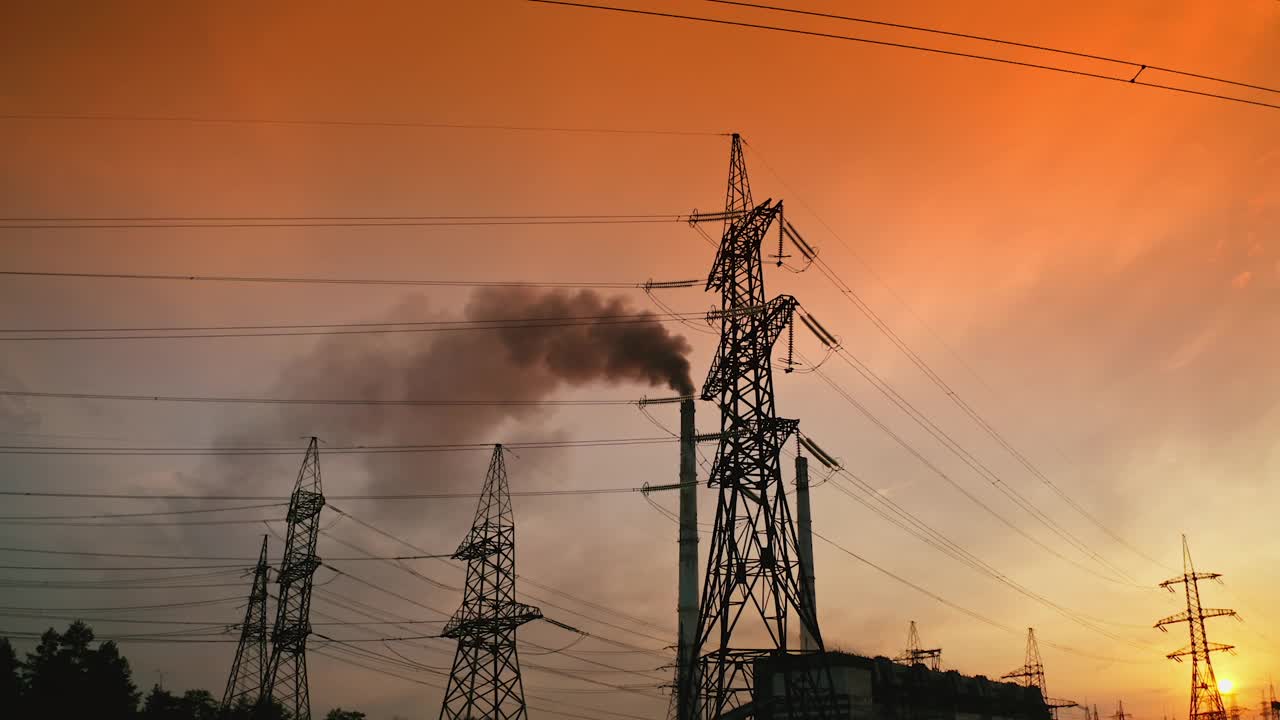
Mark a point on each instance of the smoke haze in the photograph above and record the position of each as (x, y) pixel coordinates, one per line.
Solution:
(520, 362)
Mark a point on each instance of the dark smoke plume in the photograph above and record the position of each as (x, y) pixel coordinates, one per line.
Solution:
(523, 361)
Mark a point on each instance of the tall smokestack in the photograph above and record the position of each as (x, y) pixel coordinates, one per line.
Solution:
(687, 607)
(804, 527)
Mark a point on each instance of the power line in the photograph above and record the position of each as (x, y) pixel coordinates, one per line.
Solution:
(1134, 80)
(536, 598)
(971, 613)
(355, 281)
(923, 366)
(395, 497)
(347, 449)
(193, 119)
(363, 329)
(496, 402)
(119, 608)
(998, 41)
(242, 225)
(88, 553)
(537, 321)
(105, 516)
(980, 468)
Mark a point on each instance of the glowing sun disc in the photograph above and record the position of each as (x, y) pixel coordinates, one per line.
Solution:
(1225, 685)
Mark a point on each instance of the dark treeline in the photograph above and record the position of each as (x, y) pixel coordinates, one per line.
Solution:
(66, 676)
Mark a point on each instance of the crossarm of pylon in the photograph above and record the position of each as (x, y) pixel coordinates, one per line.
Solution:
(742, 236)
(1173, 619)
(1218, 612)
(1188, 578)
(1209, 647)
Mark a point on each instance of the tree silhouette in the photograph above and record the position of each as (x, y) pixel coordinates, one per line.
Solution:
(67, 677)
(10, 680)
(340, 714)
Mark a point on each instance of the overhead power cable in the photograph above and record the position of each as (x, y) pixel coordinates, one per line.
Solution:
(998, 41)
(980, 468)
(971, 613)
(391, 328)
(441, 402)
(109, 516)
(650, 284)
(353, 123)
(95, 553)
(335, 450)
(1130, 78)
(392, 497)
(851, 295)
(229, 223)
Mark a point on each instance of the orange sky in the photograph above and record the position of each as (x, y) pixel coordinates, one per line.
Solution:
(1095, 266)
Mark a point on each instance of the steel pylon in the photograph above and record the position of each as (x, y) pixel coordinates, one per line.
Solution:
(1206, 701)
(753, 580)
(286, 682)
(1031, 674)
(249, 669)
(916, 654)
(485, 683)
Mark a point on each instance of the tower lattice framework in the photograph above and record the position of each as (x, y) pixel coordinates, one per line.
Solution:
(753, 579)
(249, 669)
(286, 681)
(485, 683)
(1031, 674)
(917, 654)
(1206, 700)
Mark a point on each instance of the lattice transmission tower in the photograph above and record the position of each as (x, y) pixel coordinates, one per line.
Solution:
(485, 681)
(286, 682)
(249, 669)
(1206, 700)
(753, 579)
(916, 654)
(1031, 674)
(1120, 713)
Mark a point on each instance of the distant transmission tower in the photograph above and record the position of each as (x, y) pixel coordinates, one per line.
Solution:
(753, 571)
(485, 681)
(286, 682)
(917, 655)
(1120, 713)
(249, 669)
(1206, 701)
(1031, 674)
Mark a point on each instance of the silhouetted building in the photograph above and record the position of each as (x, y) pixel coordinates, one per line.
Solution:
(881, 689)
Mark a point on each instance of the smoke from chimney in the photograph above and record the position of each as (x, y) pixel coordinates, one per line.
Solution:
(522, 361)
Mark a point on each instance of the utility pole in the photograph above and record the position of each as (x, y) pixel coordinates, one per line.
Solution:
(915, 654)
(1031, 674)
(485, 683)
(687, 606)
(684, 703)
(249, 669)
(804, 523)
(753, 579)
(286, 680)
(1206, 700)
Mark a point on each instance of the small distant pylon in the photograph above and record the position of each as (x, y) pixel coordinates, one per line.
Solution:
(485, 683)
(286, 682)
(1206, 700)
(249, 669)
(916, 655)
(1120, 714)
(1031, 674)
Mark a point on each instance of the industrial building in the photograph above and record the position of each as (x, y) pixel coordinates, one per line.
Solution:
(881, 689)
